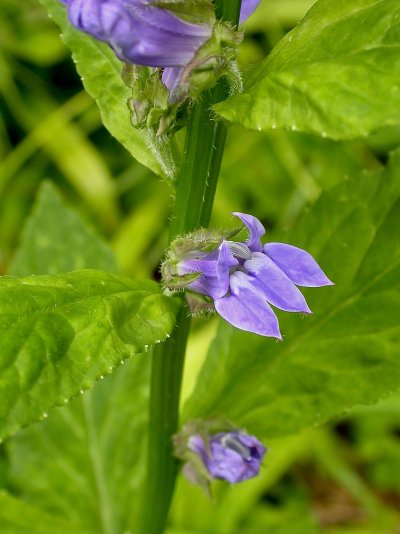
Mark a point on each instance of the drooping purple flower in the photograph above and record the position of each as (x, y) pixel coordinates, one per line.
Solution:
(141, 32)
(245, 279)
(231, 456)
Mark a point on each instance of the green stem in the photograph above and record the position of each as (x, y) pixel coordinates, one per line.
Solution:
(195, 191)
(201, 162)
(166, 377)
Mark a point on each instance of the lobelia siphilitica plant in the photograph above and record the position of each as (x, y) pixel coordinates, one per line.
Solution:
(165, 75)
(174, 54)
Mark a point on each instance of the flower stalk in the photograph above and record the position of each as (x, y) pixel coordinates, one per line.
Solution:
(195, 190)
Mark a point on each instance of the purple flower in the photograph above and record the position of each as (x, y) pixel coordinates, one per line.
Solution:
(232, 456)
(217, 449)
(141, 32)
(243, 279)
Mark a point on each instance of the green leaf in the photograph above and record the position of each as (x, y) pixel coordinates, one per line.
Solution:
(336, 74)
(100, 71)
(17, 517)
(60, 333)
(346, 353)
(56, 240)
(85, 463)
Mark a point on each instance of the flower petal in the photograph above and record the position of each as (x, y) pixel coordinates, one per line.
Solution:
(214, 267)
(171, 78)
(248, 7)
(255, 228)
(273, 283)
(197, 445)
(246, 308)
(257, 449)
(225, 262)
(297, 264)
(226, 464)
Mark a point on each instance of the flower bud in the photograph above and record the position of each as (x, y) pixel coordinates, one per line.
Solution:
(228, 454)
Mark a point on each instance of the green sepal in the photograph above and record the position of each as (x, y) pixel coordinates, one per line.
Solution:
(209, 63)
(175, 281)
(202, 240)
(149, 104)
(199, 305)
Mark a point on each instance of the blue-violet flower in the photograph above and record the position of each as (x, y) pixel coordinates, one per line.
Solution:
(142, 32)
(244, 279)
(232, 456)
(216, 449)
(179, 45)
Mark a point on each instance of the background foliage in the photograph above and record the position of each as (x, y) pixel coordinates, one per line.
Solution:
(80, 469)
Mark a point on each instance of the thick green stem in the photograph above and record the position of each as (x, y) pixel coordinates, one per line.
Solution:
(167, 367)
(195, 190)
(200, 167)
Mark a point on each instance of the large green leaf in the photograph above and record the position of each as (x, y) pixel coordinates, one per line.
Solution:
(60, 333)
(18, 517)
(100, 71)
(336, 74)
(347, 353)
(55, 240)
(85, 463)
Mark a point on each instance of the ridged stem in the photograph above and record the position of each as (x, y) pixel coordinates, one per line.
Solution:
(195, 190)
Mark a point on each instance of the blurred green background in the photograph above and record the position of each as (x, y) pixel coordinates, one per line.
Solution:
(340, 478)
